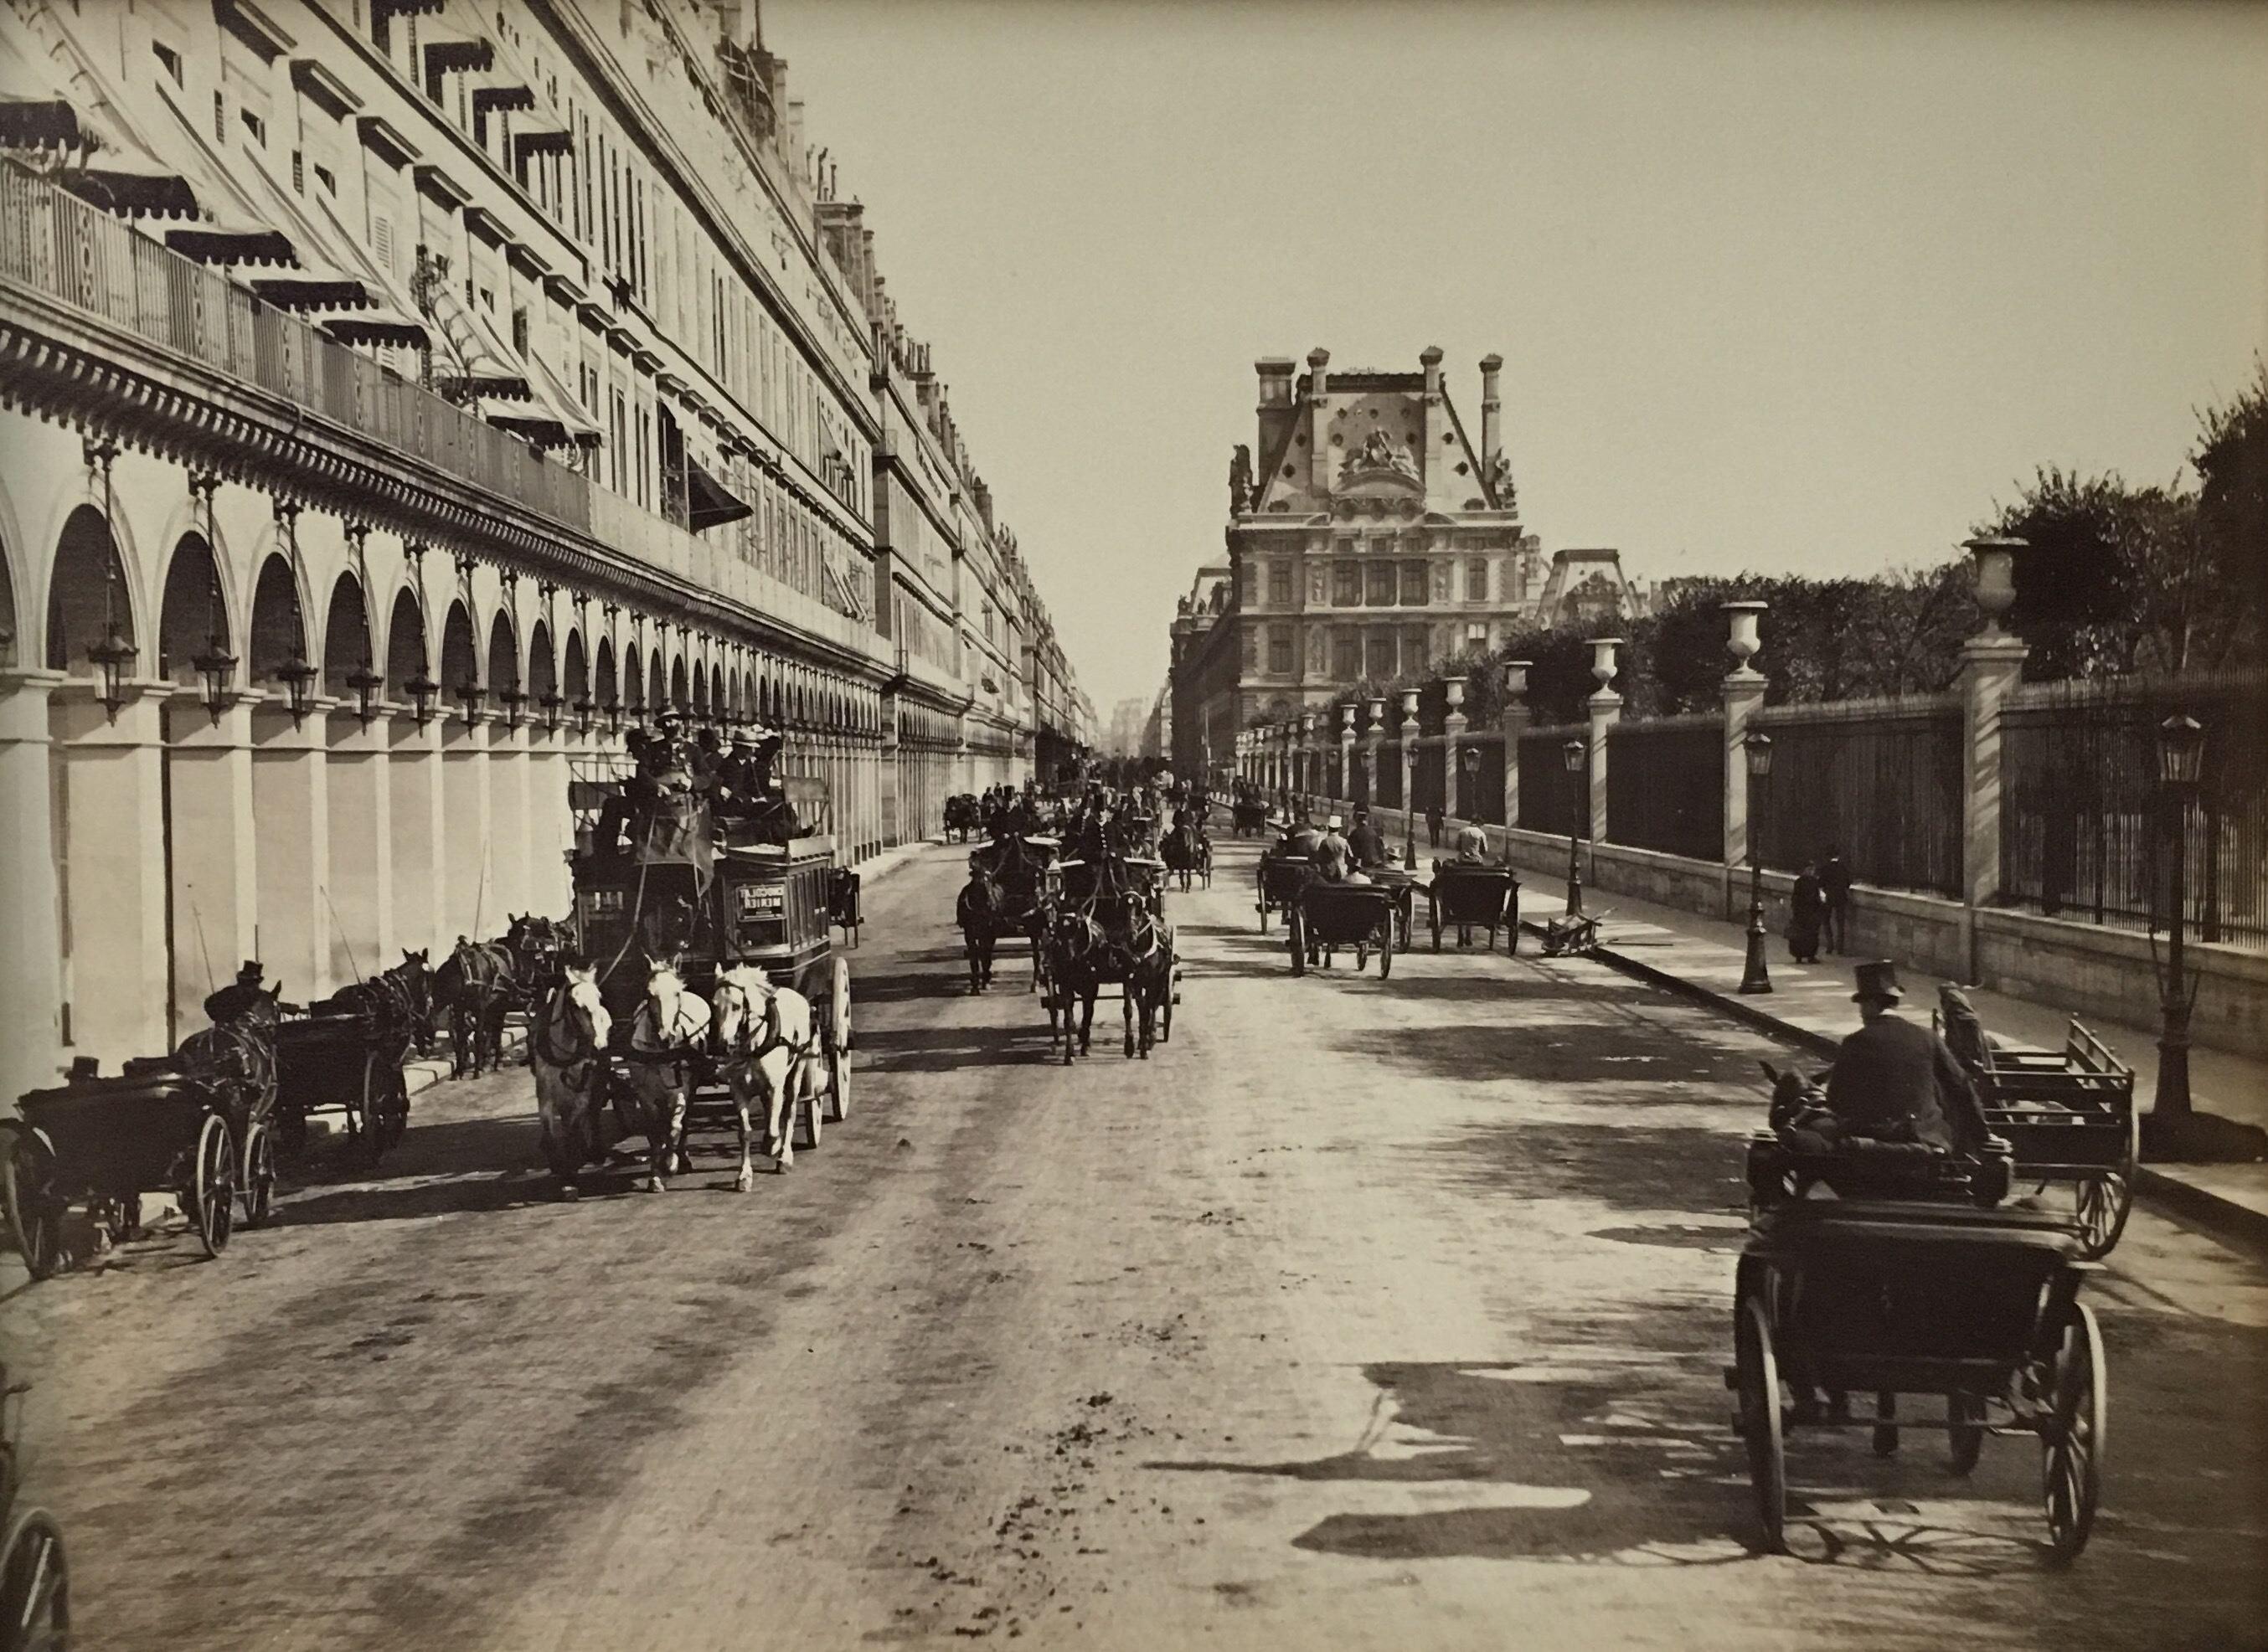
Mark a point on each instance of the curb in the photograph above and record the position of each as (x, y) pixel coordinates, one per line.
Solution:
(2218, 1218)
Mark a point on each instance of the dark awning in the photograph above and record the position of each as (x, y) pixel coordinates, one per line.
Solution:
(232, 243)
(132, 185)
(380, 324)
(710, 502)
(34, 120)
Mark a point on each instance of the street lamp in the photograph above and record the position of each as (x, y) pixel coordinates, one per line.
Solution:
(1409, 780)
(514, 702)
(298, 679)
(1756, 973)
(584, 709)
(366, 683)
(114, 659)
(2181, 763)
(469, 692)
(1574, 752)
(614, 714)
(554, 704)
(215, 667)
(422, 691)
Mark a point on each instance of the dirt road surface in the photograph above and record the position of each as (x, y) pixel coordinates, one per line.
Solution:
(1363, 1315)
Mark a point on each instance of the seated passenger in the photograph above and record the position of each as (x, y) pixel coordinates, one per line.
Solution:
(1334, 857)
(1472, 845)
(1365, 843)
(1896, 1081)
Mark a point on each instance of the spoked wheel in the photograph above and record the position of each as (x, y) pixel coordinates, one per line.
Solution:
(2073, 1439)
(364, 1119)
(1965, 1437)
(258, 1184)
(35, 1586)
(1166, 1008)
(839, 1057)
(1757, 1371)
(1361, 957)
(211, 1201)
(1295, 937)
(1264, 914)
(34, 1207)
(2103, 1203)
(1386, 954)
(814, 1106)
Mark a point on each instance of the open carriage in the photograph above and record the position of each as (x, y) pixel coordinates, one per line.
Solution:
(1128, 949)
(712, 895)
(1187, 850)
(346, 1063)
(2069, 1115)
(1329, 916)
(1464, 897)
(1282, 877)
(102, 1143)
(1976, 1309)
(1247, 817)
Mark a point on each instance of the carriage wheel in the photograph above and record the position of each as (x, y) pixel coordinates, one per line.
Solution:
(1757, 1371)
(34, 1208)
(2073, 1433)
(1386, 953)
(211, 1201)
(1433, 913)
(259, 1188)
(1966, 1435)
(363, 1120)
(811, 1107)
(842, 1042)
(1361, 957)
(1126, 1014)
(2102, 1205)
(35, 1585)
(1264, 914)
(1295, 937)
(838, 1082)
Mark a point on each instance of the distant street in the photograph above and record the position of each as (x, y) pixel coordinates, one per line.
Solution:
(1363, 1315)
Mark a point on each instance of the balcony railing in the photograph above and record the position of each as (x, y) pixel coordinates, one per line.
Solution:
(74, 254)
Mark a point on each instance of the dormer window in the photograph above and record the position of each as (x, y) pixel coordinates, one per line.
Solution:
(168, 59)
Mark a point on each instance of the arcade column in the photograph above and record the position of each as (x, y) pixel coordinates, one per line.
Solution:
(415, 829)
(509, 873)
(108, 800)
(30, 965)
(357, 778)
(215, 863)
(291, 834)
(468, 896)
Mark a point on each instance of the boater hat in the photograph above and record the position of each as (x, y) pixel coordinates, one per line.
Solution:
(1878, 980)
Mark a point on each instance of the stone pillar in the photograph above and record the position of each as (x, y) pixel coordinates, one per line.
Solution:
(357, 777)
(31, 964)
(115, 978)
(1513, 720)
(1991, 663)
(552, 755)
(1346, 755)
(1409, 777)
(414, 831)
(508, 826)
(215, 864)
(894, 827)
(468, 896)
(291, 819)
(1606, 708)
(1744, 695)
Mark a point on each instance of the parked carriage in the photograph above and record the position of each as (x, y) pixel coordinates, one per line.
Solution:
(1329, 916)
(102, 1143)
(34, 1573)
(1464, 897)
(962, 815)
(346, 1063)
(712, 899)
(1282, 877)
(1247, 817)
(1977, 1309)
(2069, 1115)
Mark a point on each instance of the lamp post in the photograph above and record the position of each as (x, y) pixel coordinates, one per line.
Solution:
(423, 691)
(298, 679)
(1409, 779)
(2180, 762)
(1756, 973)
(365, 683)
(1579, 798)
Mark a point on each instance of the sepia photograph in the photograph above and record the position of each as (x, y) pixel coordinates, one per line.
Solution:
(1323, 826)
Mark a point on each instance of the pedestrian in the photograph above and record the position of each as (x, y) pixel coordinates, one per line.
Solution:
(1434, 820)
(1835, 882)
(1806, 908)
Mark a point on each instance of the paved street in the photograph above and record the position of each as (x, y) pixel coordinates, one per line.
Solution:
(1363, 1315)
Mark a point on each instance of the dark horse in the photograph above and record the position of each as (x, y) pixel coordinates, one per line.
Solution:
(980, 914)
(475, 985)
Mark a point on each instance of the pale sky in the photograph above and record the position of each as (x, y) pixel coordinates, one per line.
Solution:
(1789, 288)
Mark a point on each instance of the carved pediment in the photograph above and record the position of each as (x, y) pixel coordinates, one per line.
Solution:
(1380, 458)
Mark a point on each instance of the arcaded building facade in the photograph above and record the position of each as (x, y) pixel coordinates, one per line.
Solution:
(402, 399)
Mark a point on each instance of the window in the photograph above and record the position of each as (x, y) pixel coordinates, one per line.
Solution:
(1251, 648)
(1279, 584)
(1280, 649)
(1477, 580)
(1413, 585)
(1383, 544)
(1318, 581)
(1346, 654)
(1416, 650)
(1244, 582)
(1476, 631)
(1346, 584)
(168, 59)
(1379, 650)
(1381, 586)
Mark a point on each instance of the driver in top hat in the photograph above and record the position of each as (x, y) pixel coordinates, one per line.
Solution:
(241, 995)
(1894, 1080)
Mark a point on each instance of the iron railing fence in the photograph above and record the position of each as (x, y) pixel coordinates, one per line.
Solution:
(1878, 781)
(1426, 791)
(1666, 786)
(2084, 824)
(1480, 788)
(1551, 799)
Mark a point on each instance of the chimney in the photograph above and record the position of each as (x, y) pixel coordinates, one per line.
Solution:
(1318, 455)
(1430, 359)
(1318, 380)
(1492, 413)
(1275, 408)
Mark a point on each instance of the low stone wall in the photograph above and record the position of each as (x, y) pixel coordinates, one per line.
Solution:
(2090, 971)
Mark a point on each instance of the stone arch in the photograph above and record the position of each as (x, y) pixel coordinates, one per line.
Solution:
(277, 635)
(406, 655)
(718, 702)
(656, 684)
(633, 679)
(605, 689)
(87, 589)
(576, 679)
(347, 645)
(193, 615)
(680, 692)
(543, 668)
(503, 655)
(460, 656)
(701, 703)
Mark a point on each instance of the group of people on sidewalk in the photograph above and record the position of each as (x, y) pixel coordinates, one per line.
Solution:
(1819, 909)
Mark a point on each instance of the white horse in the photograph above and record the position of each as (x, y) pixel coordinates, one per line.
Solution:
(569, 1054)
(768, 1038)
(672, 1022)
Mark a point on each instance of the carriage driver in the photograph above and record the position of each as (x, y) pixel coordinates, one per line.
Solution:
(242, 995)
(1894, 1080)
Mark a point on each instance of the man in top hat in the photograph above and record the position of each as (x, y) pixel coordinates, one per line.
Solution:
(1367, 843)
(242, 995)
(1894, 1080)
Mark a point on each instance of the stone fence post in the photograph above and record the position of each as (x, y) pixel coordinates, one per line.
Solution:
(1513, 720)
(1992, 663)
(1606, 706)
(1744, 695)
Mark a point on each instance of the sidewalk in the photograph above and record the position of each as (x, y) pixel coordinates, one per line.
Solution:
(1810, 1003)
